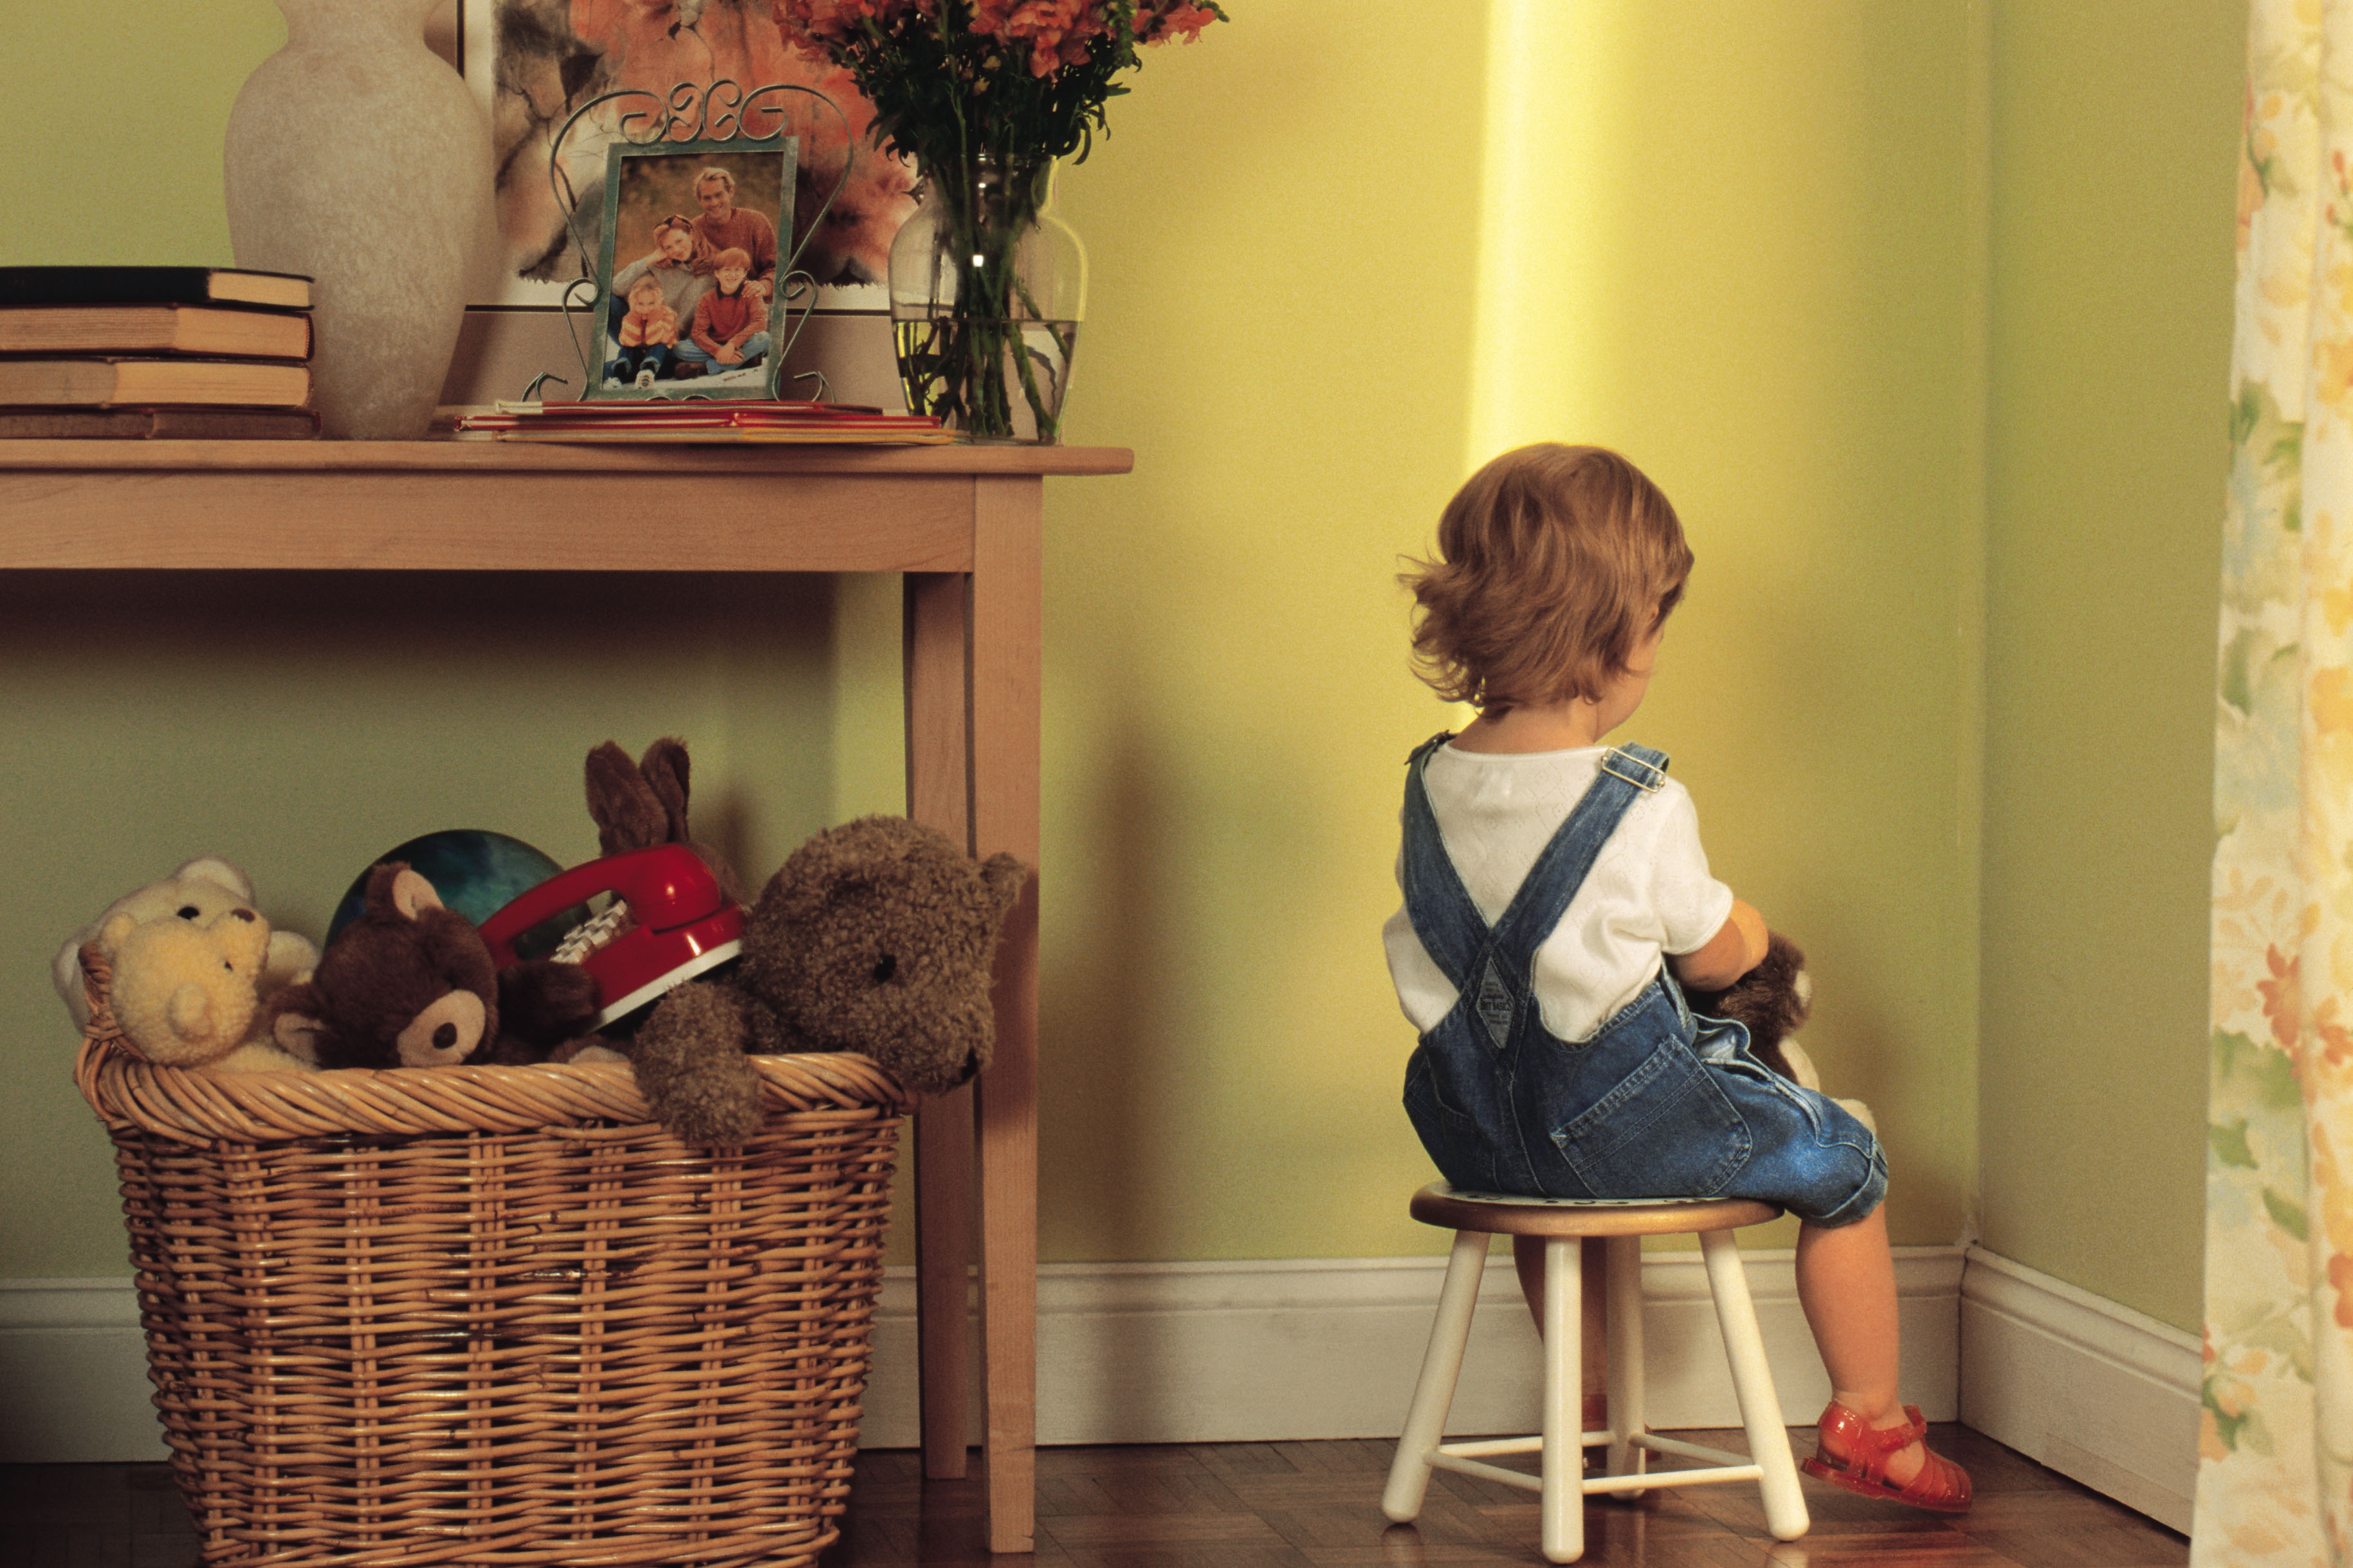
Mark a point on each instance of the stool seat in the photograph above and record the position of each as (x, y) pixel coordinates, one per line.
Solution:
(1500, 1213)
(1616, 1230)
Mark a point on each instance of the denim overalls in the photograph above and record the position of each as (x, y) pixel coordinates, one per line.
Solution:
(1658, 1104)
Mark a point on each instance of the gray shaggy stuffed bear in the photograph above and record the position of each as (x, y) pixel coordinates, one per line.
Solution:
(877, 936)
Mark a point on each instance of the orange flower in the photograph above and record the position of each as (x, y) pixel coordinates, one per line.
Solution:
(2282, 998)
(2336, 1040)
(1054, 31)
(813, 24)
(2340, 1279)
(1157, 21)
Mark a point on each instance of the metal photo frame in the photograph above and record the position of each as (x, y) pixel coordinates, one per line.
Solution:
(650, 284)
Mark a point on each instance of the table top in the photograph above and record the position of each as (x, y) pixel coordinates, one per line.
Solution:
(504, 506)
(460, 456)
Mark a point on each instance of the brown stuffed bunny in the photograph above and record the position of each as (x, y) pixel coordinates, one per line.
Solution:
(410, 984)
(636, 805)
(877, 936)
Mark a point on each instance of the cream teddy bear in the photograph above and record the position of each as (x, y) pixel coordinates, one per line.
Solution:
(197, 893)
(183, 991)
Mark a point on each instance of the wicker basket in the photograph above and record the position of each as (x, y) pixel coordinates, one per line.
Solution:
(494, 1315)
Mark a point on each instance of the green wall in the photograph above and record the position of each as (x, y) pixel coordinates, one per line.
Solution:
(1775, 234)
(2113, 153)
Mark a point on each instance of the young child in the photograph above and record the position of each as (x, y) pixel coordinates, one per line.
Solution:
(1556, 900)
(728, 319)
(647, 337)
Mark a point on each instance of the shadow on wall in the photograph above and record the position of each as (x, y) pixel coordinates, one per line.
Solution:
(1109, 1019)
(1865, 1067)
(307, 720)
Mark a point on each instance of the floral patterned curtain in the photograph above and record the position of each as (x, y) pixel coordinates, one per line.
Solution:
(2276, 1433)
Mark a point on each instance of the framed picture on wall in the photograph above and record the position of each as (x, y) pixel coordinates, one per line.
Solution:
(535, 64)
(687, 299)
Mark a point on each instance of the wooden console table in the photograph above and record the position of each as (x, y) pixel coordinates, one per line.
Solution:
(961, 523)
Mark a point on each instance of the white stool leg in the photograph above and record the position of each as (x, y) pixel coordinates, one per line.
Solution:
(1563, 1495)
(1441, 1364)
(1626, 1394)
(1752, 1380)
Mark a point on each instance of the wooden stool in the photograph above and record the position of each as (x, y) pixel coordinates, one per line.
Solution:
(1562, 1484)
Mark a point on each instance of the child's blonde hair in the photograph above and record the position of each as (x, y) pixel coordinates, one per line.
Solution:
(1554, 563)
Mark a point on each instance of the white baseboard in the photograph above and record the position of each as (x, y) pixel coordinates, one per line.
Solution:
(73, 1374)
(1132, 1354)
(1324, 1348)
(2091, 1389)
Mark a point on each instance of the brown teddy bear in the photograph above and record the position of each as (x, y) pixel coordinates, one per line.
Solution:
(877, 936)
(410, 984)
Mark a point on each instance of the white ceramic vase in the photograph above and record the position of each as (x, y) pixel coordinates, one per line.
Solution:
(358, 157)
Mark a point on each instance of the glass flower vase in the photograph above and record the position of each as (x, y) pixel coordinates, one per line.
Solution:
(988, 289)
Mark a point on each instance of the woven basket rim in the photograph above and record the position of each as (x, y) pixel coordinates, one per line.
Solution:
(205, 1105)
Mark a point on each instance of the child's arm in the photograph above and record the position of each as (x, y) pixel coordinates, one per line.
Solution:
(1737, 947)
(633, 331)
(661, 327)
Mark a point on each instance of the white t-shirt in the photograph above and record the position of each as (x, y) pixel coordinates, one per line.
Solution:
(1648, 892)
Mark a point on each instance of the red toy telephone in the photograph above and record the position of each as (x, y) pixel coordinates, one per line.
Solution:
(668, 922)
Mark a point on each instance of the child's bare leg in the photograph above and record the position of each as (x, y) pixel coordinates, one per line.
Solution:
(1846, 1283)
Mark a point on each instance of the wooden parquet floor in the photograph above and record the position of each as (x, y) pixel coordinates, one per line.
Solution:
(1268, 1505)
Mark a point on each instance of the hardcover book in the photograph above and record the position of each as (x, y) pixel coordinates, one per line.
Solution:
(158, 423)
(152, 329)
(153, 285)
(99, 382)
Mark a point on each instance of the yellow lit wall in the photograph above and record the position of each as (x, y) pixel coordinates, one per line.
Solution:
(1335, 265)
(1751, 279)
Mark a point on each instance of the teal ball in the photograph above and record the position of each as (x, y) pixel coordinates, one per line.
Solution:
(475, 873)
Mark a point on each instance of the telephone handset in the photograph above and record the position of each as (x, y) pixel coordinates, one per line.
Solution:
(666, 923)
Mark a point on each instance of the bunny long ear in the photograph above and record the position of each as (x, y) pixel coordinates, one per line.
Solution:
(665, 771)
(628, 814)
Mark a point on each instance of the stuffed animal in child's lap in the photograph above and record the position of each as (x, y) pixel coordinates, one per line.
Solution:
(1770, 1001)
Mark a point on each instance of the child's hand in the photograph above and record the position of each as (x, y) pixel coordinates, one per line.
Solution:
(1737, 947)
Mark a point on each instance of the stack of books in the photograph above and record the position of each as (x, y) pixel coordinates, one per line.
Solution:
(127, 352)
(744, 422)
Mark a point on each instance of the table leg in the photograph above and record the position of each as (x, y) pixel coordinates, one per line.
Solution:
(939, 795)
(1007, 632)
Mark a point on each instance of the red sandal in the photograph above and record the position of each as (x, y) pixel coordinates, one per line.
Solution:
(1941, 1485)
